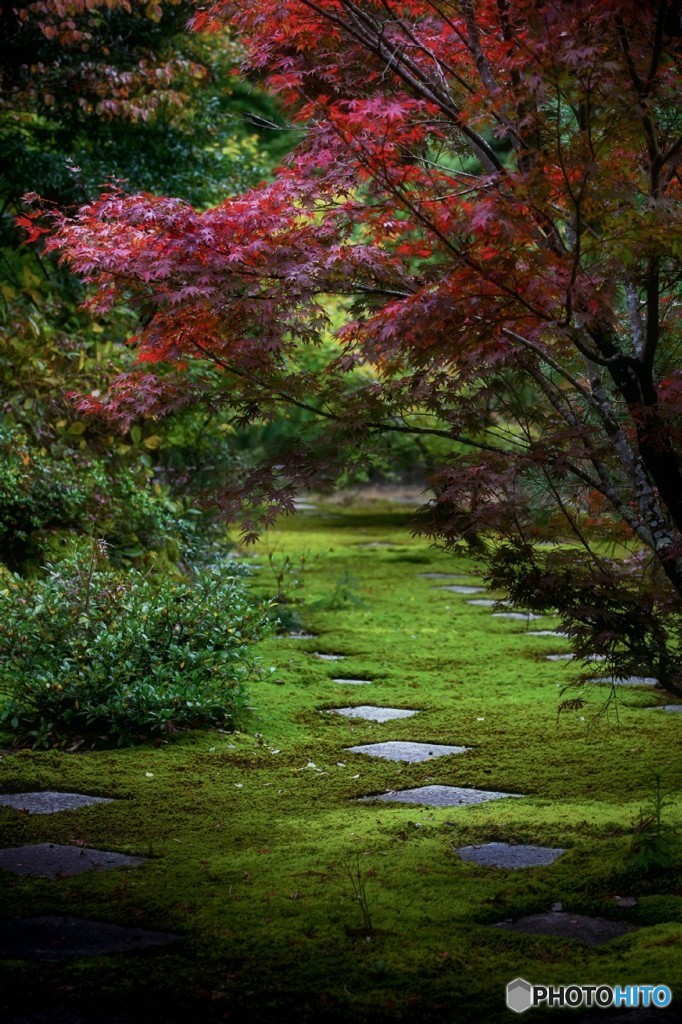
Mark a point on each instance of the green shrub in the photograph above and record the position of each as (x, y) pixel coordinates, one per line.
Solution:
(54, 490)
(113, 657)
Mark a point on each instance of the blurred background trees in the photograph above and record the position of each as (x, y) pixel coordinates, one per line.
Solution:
(90, 91)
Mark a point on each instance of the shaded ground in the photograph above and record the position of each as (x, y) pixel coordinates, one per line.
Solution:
(265, 863)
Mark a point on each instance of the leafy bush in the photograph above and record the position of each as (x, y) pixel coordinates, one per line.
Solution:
(114, 657)
(55, 488)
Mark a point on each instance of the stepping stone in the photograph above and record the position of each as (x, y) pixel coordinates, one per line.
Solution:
(439, 796)
(592, 931)
(441, 576)
(483, 602)
(372, 714)
(396, 750)
(329, 657)
(510, 855)
(519, 616)
(546, 632)
(48, 860)
(459, 589)
(353, 682)
(559, 657)
(304, 506)
(57, 938)
(49, 802)
(626, 680)
(669, 707)
(377, 544)
(298, 636)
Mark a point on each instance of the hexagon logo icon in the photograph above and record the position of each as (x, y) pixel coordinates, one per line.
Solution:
(519, 995)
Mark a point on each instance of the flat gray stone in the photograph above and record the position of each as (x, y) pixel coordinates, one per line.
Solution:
(49, 802)
(353, 682)
(461, 589)
(510, 855)
(440, 796)
(518, 616)
(49, 860)
(626, 680)
(377, 544)
(57, 938)
(547, 632)
(442, 576)
(592, 931)
(304, 506)
(669, 707)
(373, 714)
(397, 750)
(299, 636)
(329, 657)
(483, 602)
(559, 657)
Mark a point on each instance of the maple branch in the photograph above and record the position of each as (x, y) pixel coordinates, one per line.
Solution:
(409, 72)
(572, 521)
(670, 152)
(438, 62)
(379, 426)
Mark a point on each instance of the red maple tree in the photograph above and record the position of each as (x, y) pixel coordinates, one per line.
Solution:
(494, 187)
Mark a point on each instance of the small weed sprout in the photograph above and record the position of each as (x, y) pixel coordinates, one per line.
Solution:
(342, 597)
(357, 881)
(654, 845)
(288, 577)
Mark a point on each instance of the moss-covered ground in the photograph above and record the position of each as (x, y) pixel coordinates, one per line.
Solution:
(251, 836)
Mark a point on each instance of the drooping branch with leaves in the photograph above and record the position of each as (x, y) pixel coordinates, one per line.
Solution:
(492, 188)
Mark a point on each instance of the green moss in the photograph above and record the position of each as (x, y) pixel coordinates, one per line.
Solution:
(250, 836)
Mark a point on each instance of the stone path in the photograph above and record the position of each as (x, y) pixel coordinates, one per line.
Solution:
(439, 796)
(49, 860)
(57, 938)
(50, 802)
(462, 589)
(626, 680)
(373, 714)
(591, 931)
(442, 576)
(510, 855)
(353, 682)
(670, 707)
(48, 937)
(52, 937)
(397, 750)
(547, 632)
(518, 616)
